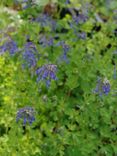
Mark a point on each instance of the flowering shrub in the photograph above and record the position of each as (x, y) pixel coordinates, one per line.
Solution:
(51, 54)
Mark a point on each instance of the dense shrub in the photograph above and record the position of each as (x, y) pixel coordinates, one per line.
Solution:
(58, 78)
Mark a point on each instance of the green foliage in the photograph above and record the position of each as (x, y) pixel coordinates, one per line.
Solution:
(70, 119)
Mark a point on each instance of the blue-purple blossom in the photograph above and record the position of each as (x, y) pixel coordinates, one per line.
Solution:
(44, 41)
(30, 55)
(24, 3)
(106, 87)
(82, 35)
(103, 87)
(53, 25)
(81, 18)
(78, 35)
(2, 51)
(21, 1)
(9, 46)
(26, 114)
(45, 20)
(78, 19)
(66, 49)
(67, 2)
(47, 73)
(50, 41)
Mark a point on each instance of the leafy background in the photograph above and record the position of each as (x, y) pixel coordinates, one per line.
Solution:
(70, 119)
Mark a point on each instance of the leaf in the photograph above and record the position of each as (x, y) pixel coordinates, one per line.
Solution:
(73, 151)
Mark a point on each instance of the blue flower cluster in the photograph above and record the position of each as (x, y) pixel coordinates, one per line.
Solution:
(46, 42)
(10, 46)
(67, 2)
(30, 55)
(81, 18)
(47, 73)
(44, 20)
(103, 87)
(66, 49)
(26, 114)
(24, 3)
(82, 35)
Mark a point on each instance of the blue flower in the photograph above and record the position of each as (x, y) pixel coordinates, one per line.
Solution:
(78, 34)
(82, 35)
(106, 88)
(47, 73)
(44, 41)
(9, 46)
(46, 20)
(53, 25)
(43, 19)
(26, 114)
(50, 41)
(30, 55)
(66, 49)
(67, 2)
(81, 18)
(103, 87)
(24, 3)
